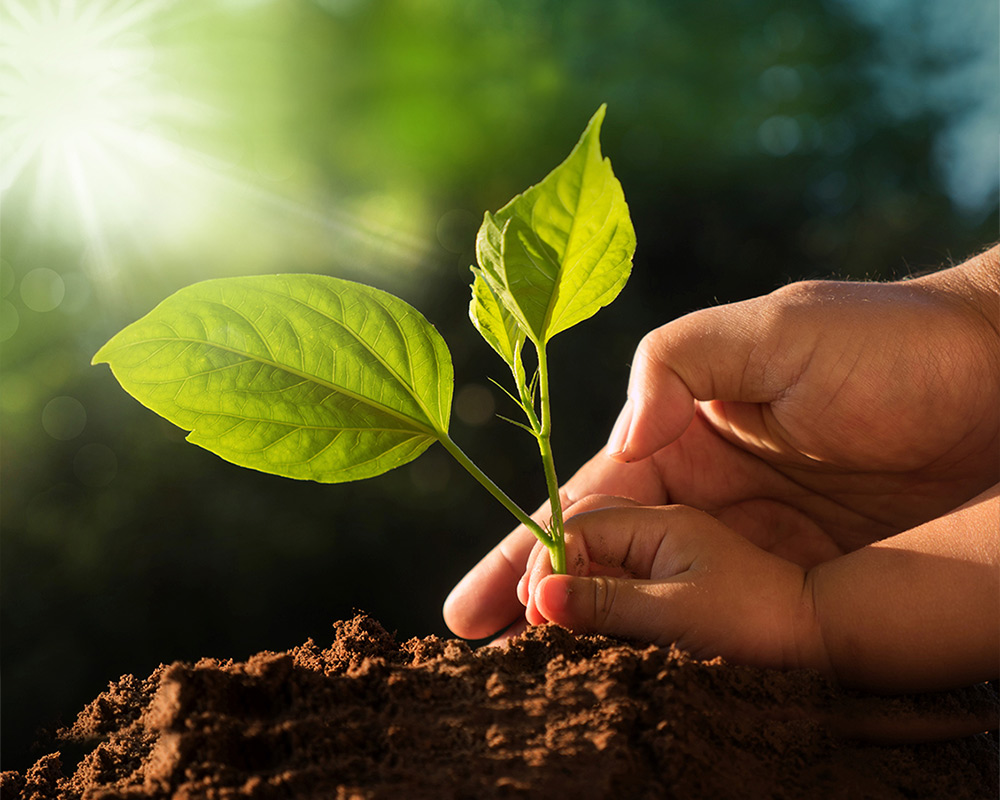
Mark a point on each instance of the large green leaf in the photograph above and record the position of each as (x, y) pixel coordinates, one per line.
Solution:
(304, 376)
(560, 251)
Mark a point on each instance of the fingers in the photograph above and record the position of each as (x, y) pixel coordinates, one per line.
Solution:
(659, 405)
(617, 539)
(624, 548)
(676, 574)
(485, 600)
(578, 562)
(734, 352)
(612, 606)
(638, 541)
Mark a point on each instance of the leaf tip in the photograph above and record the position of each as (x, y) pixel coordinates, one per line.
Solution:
(596, 121)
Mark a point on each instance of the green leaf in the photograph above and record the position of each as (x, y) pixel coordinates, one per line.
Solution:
(560, 251)
(304, 376)
(496, 325)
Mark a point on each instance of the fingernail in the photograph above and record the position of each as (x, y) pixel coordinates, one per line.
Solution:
(552, 596)
(619, 434)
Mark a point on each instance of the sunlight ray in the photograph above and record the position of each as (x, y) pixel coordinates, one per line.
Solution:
(25, 148)
(91, 128)
(91, 223)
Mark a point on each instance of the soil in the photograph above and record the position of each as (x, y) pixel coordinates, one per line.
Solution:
(548, 715)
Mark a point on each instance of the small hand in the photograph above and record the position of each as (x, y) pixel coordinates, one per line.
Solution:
(674, 574)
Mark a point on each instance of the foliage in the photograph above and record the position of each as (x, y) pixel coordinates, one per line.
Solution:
(320, 378)
(304, 376)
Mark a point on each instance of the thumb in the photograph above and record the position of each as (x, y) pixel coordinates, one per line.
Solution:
(606, 605)
(730, 352)
(658, 410)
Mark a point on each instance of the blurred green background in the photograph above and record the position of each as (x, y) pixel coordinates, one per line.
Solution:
(148, 144)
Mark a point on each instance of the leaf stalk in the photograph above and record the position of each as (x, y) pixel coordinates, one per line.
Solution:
(497, 492)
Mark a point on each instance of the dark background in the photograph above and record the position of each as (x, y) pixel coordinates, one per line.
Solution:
(757, 143)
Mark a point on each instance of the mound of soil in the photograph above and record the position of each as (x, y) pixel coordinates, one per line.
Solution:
(549, 714)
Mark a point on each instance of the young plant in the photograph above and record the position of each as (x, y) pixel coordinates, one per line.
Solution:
(324, 379)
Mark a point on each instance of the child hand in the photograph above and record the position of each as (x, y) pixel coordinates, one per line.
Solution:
(674, 574)
(914, 612)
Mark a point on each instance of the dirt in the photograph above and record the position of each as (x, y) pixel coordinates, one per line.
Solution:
(548, 715)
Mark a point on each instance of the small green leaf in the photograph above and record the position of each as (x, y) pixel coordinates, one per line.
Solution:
(496, 325)
(560, 251)
(304, 376)
(517, 424)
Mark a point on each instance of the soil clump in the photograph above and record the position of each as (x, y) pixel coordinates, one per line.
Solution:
(548, 715)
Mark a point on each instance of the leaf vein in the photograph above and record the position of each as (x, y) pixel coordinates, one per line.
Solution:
(305, 376)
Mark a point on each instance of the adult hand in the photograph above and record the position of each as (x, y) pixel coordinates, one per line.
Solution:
(812, 421)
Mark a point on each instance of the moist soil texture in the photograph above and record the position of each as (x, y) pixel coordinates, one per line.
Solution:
(547, 715)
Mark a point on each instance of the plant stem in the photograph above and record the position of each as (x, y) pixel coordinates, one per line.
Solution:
(557, 550)
(497, 492)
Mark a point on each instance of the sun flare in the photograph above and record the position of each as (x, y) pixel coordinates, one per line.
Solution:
(81, 105)
(97, 138)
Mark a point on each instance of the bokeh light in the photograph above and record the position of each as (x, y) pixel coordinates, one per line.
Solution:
(95, 465)
(43, 289)
(64, 418)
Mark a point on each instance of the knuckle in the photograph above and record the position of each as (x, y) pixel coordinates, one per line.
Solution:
(686, 513)
(650, 347)
(798, 295)
(592, 502)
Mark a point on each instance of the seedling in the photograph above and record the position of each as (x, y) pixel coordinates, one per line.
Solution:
(324, 379)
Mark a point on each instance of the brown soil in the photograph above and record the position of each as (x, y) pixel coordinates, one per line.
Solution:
(549, 715)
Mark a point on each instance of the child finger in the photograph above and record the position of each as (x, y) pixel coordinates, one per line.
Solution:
(641, 541)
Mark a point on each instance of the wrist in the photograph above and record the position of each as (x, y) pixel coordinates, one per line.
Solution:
(973, 285)
(914, 612)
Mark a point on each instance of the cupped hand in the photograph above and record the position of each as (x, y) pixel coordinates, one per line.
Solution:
(675, 574)
(868, 408)
(811, 421)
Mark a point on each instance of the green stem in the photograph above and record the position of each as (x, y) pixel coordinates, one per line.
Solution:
(528, 405)
(557, 550)
(497, 492)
